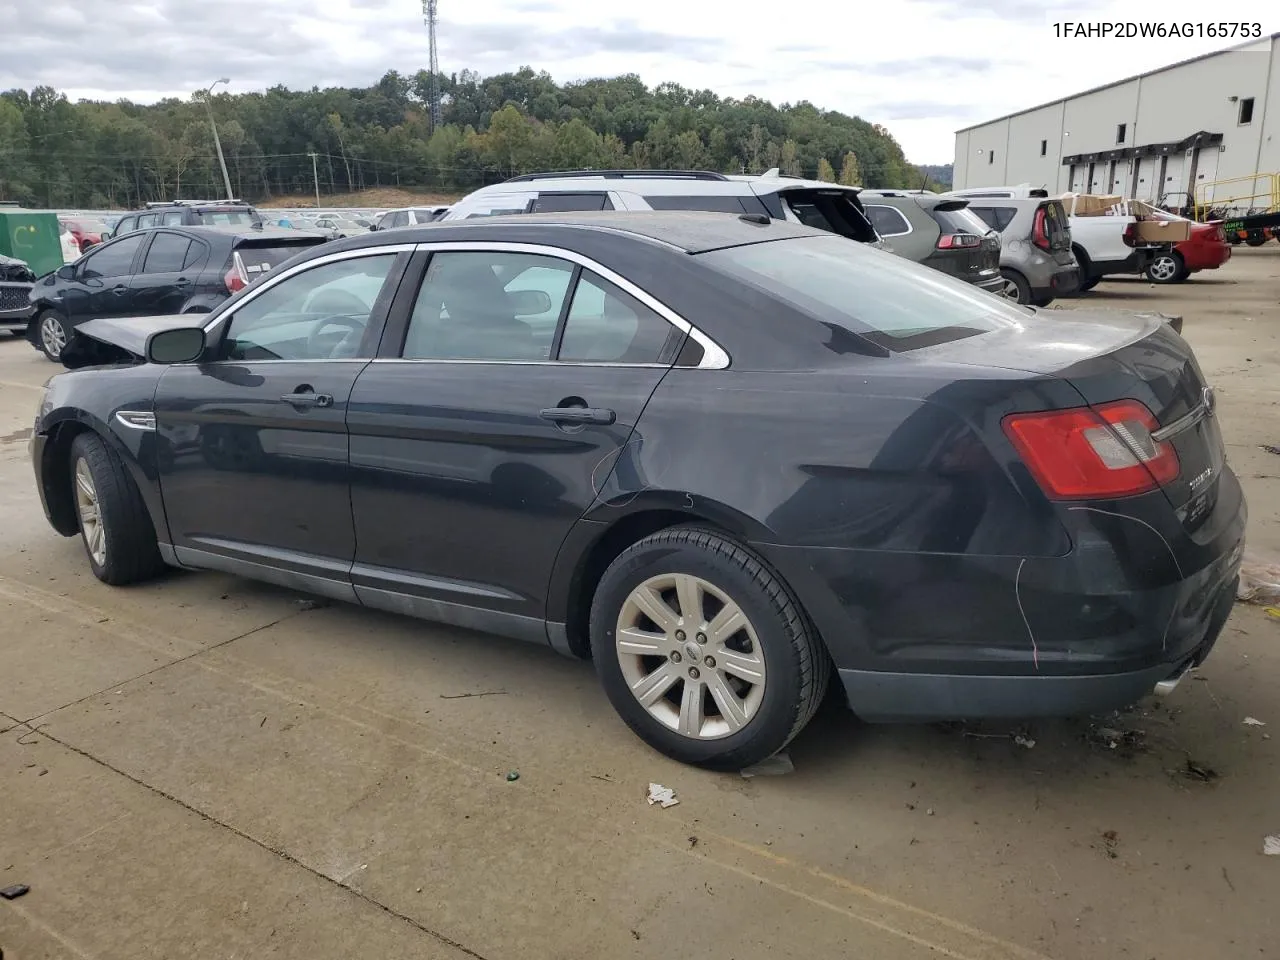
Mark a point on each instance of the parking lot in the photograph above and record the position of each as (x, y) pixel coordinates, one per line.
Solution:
(211, 767)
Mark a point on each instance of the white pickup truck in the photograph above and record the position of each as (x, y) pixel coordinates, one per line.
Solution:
(1103, 245)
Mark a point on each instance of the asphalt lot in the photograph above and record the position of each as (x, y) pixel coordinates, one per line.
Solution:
(206, 767)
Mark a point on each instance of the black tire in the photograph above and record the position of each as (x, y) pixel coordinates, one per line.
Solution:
(1041, 301)
(1087, 279)
(1167, 268)
(131, 553)
(796, 665)
(1256, 238)
(1020, 285)
(46, 343)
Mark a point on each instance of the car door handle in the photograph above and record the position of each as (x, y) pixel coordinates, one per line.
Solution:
(579, 415)
(306, 398)
(119, 288)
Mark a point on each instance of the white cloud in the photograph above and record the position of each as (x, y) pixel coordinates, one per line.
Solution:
(922, 68)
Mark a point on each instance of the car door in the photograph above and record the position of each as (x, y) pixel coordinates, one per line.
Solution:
(167, 277)
(252, 440)
(503, 394)
(101, 284)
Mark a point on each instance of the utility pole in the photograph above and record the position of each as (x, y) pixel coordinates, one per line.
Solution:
(217, 143)
(431, 16)
(315, 175)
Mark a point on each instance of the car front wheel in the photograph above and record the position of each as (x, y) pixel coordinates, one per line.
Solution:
(53, 332)
(703, 651)
(114, 523)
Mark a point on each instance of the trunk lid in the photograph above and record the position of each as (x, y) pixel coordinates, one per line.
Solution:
(1108, 357)
(971, 263)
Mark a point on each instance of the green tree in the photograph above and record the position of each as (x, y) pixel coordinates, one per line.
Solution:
(507, 142)
(789, 159)
(849, 175)
(825, 171)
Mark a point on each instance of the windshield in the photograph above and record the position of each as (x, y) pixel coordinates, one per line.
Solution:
(889, 300)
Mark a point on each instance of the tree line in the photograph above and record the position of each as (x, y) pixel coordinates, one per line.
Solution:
(94, 154)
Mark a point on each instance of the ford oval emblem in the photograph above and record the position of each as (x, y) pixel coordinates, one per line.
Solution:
(1209, 400)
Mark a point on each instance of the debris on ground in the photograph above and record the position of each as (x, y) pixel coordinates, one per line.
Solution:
(1259, 579)
(1126, 742)
(1271, 448)
(1253, 722)
(513, 775)
(1227, 877)
(1023, 741)
(1110, 840)
(664, 796)
(1198, 771)
(774, 766)
(310, 604)
(693, 842)
(481, 693)
(20, 889)
(1270, 846)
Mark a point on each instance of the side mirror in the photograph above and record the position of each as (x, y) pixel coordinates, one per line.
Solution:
(180, 345)
(66, 272)
(529, 303)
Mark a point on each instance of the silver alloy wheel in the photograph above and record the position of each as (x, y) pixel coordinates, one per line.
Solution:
(1009, 290)
(95, 534)
(53, 336)
(701, 676)
(1163, 268)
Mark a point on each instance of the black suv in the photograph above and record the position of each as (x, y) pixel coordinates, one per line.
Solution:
(190, 213)
(159, 271)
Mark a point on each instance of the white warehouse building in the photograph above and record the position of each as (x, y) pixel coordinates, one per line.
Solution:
(1170, 137)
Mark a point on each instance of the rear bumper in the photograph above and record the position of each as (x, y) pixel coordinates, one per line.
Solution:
(1062, 283)
(1204, 256)
(990, 284)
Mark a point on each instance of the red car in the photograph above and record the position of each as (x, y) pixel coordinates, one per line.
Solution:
(1205, 249)
(88, 233)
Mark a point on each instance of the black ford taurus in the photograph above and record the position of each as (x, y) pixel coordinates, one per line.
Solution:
(721, 456)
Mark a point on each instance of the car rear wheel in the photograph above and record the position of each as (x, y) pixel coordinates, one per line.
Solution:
(1087, 280)
(114, 523)
(1015, 287)
(1167, 268)
(53, 333)
(1255, 238)
(703, 651)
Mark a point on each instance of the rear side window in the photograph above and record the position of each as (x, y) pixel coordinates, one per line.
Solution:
(708, 204)
(167, 253)
(887, 300)
(172, 219)
(608, 325)
(997, 218)
(197, 254)
(566, 202)
(888, 221)
(962, 220)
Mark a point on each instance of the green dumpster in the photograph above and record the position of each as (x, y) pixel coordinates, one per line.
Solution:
(31, 235)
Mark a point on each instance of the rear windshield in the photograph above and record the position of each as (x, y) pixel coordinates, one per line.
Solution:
(1057, 225)
(834, 211)
(891, 301)
(258, 259)
(963, 220)
(227, 218)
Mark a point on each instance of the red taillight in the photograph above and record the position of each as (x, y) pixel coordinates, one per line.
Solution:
(1039, 233)
(1130, 235)
(1218, 235)
(234, 281)
(1088, 453)
(952, 241)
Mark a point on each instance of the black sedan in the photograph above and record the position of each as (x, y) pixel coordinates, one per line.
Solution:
(721, 456)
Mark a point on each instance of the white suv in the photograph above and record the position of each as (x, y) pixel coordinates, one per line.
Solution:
(828, 206)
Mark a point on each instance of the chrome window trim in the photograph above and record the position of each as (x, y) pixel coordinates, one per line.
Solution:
(1183, 423)
(713, 355)
(276, 278)
(902, 216)
(517, 363)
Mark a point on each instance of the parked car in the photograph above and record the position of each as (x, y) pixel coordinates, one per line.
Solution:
(87, 233)
(1102, 245)
(16, 281)
(338, 227)
(939, 232)
(729, 455)
(190, 213)
(1206, 249)
(1036, 261)
(68, 244)
(167, 270)
(815, 203)
(409, 217)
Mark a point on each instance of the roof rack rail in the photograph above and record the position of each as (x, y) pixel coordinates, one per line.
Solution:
(195, 203)
(621, 175)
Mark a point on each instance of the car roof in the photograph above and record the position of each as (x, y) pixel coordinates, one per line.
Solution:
(685, 230)
(226, 230)
(736, 185)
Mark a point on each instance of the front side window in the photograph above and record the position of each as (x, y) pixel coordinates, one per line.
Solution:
(888, 221)
(400, 218)
(318, 314)
(888, 300)
(113, 260)
(148, 220)
(608, 325)
(488, 306)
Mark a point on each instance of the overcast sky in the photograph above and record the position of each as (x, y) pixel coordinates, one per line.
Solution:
(922, 68)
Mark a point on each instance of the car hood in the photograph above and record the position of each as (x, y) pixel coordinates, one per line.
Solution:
(130, 333)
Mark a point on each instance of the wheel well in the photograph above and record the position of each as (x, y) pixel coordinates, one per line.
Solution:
(56, 477)
(604, 551)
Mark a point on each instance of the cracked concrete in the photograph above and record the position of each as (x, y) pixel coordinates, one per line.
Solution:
(200, 768)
